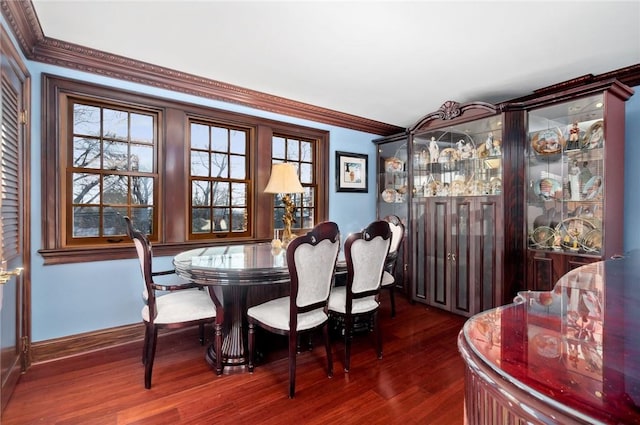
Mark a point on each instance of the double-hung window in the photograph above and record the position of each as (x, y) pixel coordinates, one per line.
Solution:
(112, 171)
(220, 181)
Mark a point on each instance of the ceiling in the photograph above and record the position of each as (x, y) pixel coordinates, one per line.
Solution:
(389, 61)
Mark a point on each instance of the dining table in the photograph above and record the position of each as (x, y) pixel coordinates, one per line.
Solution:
(228, 271)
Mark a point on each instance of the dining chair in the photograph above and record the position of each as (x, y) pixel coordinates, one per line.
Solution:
(388, 277)
(311, 260)
(179, 307)
(365, 253)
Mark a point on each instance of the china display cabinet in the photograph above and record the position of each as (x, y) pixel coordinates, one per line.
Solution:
(457, 186)
(393, 196)
(575, 180)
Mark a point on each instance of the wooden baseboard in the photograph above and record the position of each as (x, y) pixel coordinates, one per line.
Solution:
(73, 345)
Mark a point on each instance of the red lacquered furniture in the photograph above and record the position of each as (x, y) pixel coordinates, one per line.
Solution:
(569, 356)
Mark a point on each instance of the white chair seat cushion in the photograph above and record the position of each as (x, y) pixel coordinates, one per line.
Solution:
(338, 302)
(275, 313)
(387, 279)
(182, 306)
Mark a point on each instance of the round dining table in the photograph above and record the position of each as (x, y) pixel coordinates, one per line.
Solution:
(229, 271)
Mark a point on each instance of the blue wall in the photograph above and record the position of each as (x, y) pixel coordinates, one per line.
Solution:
(632, 173)
(76, 298)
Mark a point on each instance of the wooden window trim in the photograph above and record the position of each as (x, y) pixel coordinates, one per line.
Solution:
(173, 221)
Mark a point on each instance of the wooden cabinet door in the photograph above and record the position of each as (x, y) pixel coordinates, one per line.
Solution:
(438, 252)
(461, 257)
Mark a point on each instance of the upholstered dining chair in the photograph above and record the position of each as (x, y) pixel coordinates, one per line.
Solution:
(365, 253)
(311, 260)
(388, 277)
(180, 307)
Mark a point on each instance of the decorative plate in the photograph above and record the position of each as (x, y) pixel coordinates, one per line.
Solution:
(594, 138)
(592, 241)
(592, 188)
(393, 165)
(573, 232)
(389, 195)
(448, 155)
(548, 142)
(548, 188)
(543, 237)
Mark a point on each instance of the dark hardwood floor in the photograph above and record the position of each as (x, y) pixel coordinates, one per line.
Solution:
(420, 380)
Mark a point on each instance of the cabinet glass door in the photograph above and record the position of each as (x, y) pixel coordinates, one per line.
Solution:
(565, 171)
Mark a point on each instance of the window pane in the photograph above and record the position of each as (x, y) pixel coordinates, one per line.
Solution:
(201, 220)
(238, 164)
(86, 188)
(238, 142)
(86, 221)
(86, 120)
(86, 152)
(221, 193)
(238, 194)
(112, 222)
(239, 219)
(278, 148)
(293, 150)
(219, 165)
(142, 128)
(219, 139)
(115, 124)
(199, 164)
(308, 220)
(200, 193)
(115, 189)
(142, 158)
(306, 151)
(199, 136)
(221, 219)
(143, 218)
(142, 190)
(306, 171)
(115, 156)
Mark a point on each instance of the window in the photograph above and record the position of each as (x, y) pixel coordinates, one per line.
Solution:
(112, 172)
(301, 153)
(187, 175)
(219, 181)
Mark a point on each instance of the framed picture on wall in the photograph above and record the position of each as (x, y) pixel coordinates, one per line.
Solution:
(351, 172)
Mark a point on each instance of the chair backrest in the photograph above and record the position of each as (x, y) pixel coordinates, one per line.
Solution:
(311, 260)
(397, 232)
(366, 253)
(145, 256)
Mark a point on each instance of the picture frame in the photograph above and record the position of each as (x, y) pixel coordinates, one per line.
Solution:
(351, 172)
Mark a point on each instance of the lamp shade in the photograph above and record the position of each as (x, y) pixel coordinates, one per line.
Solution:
(284, 179)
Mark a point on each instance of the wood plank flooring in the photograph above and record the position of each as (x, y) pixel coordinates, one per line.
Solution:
(420, 380)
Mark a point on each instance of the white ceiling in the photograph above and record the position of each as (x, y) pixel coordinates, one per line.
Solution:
(390, 61)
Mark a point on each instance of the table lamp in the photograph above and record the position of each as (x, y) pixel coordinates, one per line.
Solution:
(284, 180)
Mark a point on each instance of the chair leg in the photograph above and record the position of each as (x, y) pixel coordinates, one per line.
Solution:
(392, 296)
(327, 347)
(293, 338)
(348, 334)
(378, 332)
(145, 345)
(151, 353)
(218, 344)
(251, 341)
(201, 333)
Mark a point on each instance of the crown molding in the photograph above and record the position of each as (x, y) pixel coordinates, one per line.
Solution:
(22, 18)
